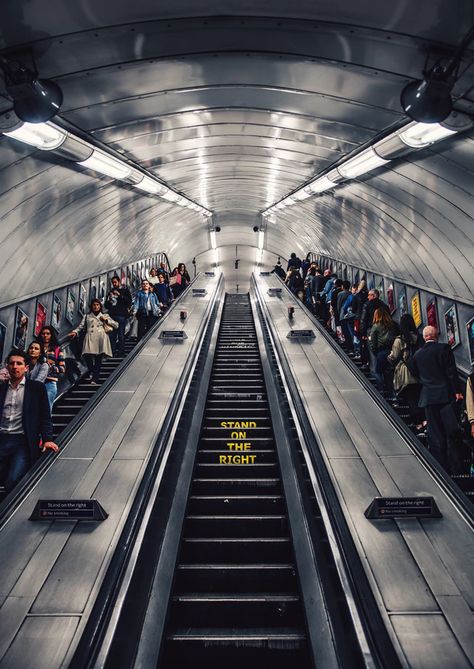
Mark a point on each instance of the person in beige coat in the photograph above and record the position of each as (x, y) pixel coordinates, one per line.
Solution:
(96, 326)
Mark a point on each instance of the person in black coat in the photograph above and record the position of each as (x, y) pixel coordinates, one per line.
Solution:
(25, 420)
(435, 367)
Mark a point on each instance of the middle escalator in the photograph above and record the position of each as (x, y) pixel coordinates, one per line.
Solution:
(236, 596)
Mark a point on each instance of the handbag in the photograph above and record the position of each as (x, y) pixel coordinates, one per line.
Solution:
(173, 280)
(108, 328)
(401, 376)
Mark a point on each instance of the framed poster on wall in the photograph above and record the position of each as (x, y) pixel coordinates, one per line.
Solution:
(380, 288)
(391, 299)
(416, 309)
(70, 306)
(452, 326)
(123, 276)
(20, 333)
(470, 338)
(40, 318)
(82, 307)
(432, 314)
(402, 302)
(56, 313)
(92, 290)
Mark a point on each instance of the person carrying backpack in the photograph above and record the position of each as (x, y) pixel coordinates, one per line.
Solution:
(405, 384)
(56, 361)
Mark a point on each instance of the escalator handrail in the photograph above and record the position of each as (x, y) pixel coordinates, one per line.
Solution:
(89, 644)
(13, 501)
(374, 639)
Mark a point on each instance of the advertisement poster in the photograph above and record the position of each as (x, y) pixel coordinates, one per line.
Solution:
(93, 291)
(470, 338)
(402, 302)
(40, 318)
(3, 335)
(432, 314)
(452, 327)
(123, 277)
(391, 299)
(416, 309)
(102, 289)
(21, 329)
(70, 306)
(56, 313)
(129, 277)
(380, 288)
(82, 300)
(370, 281)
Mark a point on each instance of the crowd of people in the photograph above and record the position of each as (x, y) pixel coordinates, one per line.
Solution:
(409, 367)
(29, 382)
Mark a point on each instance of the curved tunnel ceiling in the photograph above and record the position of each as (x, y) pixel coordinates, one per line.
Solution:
(235, 104)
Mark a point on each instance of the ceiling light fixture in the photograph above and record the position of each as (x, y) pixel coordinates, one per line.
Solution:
(429, 100)
(49, 136)
(364, 162)
(44, 136)
(107, 165)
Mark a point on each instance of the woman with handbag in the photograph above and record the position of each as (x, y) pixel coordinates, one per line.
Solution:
(179, 279)
(383, 333)
(405, 384)
(96, 327)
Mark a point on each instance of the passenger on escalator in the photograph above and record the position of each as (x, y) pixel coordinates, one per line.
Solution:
(308, 297)
(146, 308)
(96, 327)
(56, 361)
(407, 386)
(366, 321)
(435, 366)
(279, 271)
(294, 263)
(294, 281)
(382, 335)
(179, 279)
(163, 293)
(119, 305)
(162, 270)
(333, 311)
(25, 421)
(347, 316)
(153, 277)
(305, 265)
(38, 368)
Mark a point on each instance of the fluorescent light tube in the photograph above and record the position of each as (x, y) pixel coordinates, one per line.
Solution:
(261, 237)
(361, 164)
(321, 184)
(151, 186)
(44, 136)
(213, 239)
(300, 195)
(424, 134)
(107, 165)
(259, 256)
(171, 196)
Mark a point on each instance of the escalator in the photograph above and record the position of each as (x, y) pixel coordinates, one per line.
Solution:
(236, 593)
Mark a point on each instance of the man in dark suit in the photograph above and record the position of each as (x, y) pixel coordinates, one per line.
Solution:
(435, 366)
(25, 419)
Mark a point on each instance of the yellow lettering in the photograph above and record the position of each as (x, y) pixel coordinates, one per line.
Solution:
(223, 459)
(238, 435)
(247, 446)
(238, 424)
(224, 424)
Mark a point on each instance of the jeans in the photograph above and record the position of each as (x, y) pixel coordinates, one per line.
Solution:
(117, 337)
(14, 459)
(94, 363)
(145, 323)
(51, 391)
(381, 364)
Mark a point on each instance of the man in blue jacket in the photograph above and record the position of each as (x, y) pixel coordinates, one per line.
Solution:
(25, 420)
